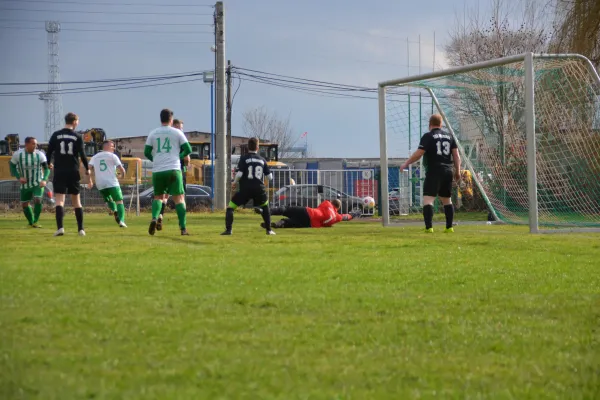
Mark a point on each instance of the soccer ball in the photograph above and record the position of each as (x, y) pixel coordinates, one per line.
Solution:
(368, 202)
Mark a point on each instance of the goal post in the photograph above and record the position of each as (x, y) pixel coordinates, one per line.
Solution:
(528, 132)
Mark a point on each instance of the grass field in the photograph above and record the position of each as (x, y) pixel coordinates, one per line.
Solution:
(352, 312)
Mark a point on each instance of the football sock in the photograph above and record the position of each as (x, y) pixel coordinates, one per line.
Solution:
(180, 208)
(266, 217)
(428, 216)
(28, 214)
(37, 210)
(121, 212)
(156, 207)
(79, 218)
(60, 212)
(449, 211)
(112, 206)
(229, 218)
(162, 209)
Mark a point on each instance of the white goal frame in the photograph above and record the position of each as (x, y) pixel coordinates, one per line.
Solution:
(527, 59)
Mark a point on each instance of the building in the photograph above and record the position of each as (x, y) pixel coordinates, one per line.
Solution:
(133, 146)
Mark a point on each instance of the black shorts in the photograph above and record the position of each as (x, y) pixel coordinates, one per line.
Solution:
(298, 217)
(66, 182)
(438, 182)
(256, 193)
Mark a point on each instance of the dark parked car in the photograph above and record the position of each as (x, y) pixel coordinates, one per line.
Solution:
(312, 195)
(10, 192)
(195, 196)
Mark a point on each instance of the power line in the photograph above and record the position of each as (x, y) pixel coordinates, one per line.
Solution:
(113, 30)
(108, 4)
(106, 23)
(109, 80)
(107, 12)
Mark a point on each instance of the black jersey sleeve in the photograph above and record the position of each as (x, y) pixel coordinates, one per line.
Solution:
(453, 144)
(81, 150)
(266, 169)
(51, 148)
(425, 142)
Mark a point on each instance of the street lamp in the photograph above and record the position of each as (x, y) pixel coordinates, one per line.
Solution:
(209, 77)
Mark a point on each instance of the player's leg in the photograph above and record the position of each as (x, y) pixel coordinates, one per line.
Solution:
(160, 183)
(60, 191)
(445, 193)
(26, 195)
(38, 196)
(117, 196)
(110, 203)
(73, 187)
(176, 190)
(261, 199)
(430, 190)
(239, 198)
(159, 221)
(299, 216)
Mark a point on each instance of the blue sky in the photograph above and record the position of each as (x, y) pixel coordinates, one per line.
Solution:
(351, 42)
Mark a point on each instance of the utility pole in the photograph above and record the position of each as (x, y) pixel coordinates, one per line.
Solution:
(221, 178)
(228, 117)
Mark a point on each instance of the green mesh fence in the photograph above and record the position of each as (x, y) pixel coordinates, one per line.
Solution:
(486, 109)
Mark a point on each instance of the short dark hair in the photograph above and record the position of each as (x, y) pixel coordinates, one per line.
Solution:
(165, 115)
(28, 139)
(336, 203)
(253, 144)
(435, 120)
(70, 118)
(177, 121)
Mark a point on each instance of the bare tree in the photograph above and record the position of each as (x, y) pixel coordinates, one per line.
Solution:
(269, 127)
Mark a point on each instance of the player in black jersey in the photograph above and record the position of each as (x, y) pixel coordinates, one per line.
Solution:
(441, 153)
(252, 169)
(66, 146)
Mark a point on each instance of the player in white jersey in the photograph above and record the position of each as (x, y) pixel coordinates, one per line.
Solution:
(105, 165)
(166, 147)
(30, 167)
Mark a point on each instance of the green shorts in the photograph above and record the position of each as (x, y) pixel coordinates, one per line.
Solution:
(168, 182)
(112, 194)
(28, 194)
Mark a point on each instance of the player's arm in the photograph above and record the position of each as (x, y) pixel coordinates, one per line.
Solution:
(456, 158)
(50, 152)
(267, 171)
(148, 148)
(14, 170)
(184, 145)
(46, 169)
(416, 156)
(82, 155)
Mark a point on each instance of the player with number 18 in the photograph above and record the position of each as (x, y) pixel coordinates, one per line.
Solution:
(252, 169)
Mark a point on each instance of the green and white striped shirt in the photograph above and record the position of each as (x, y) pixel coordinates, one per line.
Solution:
(29, 166)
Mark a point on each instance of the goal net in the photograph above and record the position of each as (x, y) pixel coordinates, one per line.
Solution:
(528, 131)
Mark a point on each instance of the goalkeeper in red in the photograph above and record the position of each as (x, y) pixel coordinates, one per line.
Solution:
(441, 153)
(166, 147)
(105, 165)
(30, 167)
(324, 216)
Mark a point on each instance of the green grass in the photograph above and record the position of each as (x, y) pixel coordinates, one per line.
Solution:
(352, 312)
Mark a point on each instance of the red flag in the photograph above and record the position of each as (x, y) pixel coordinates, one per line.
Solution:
(303, 135)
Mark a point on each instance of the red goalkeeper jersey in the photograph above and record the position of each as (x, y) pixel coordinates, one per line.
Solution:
(325, 215)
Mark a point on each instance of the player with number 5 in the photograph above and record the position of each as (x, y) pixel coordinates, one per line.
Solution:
(104, 166)
(441, 152)
(252, 169)
(166, 147)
